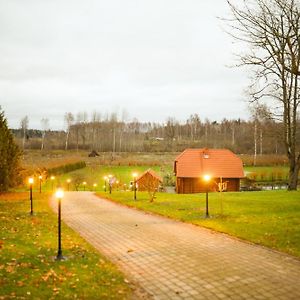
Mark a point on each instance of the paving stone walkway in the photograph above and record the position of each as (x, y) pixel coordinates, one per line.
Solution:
(173, 260)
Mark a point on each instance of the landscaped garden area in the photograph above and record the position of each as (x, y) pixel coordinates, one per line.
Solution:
(28, 248)
(29, 243)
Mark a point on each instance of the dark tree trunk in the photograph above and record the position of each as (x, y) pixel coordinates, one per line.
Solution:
(293, 174)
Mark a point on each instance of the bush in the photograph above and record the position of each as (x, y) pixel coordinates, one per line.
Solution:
(67, 168)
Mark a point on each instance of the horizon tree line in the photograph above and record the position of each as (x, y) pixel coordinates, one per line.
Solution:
(111, 133)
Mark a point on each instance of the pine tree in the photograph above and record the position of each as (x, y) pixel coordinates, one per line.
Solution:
(9, 156)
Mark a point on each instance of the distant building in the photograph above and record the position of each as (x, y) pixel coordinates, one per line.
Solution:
(93, 153)
(148, 180)
(223, 166)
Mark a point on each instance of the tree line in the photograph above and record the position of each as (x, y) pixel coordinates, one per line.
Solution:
(257, 136)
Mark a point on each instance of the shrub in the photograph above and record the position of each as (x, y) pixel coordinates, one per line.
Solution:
(67, 168)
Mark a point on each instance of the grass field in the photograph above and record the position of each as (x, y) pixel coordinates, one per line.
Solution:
(96, 175)
(28, 246)
(124, 164)
(269, 218)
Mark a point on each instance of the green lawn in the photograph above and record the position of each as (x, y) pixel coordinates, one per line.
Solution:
(96, 175)
(270, 218)
(28, 246)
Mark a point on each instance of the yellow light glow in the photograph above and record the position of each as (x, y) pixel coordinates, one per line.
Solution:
(68, 180)
(134, 175)
(59, 194)
(117, 182)
(110, 176)
(207, 177)
(95, 184)
(52, 177)
(30, 180)
(84, 183)
(105, 177)
(40, 177)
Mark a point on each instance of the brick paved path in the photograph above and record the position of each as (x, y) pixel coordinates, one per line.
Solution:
(172, 260)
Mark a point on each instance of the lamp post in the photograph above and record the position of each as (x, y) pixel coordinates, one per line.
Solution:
(68, 182)
(40, 178)
(59, 195)
(52, 180)
(30, 181)
(207, 180)
(94, 186)
(105, 183)
(84, 184)
(110, 183)
(134, 185)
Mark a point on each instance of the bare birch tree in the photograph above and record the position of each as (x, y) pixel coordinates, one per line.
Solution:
(24, 128)
(271, 31)
(69, 119)
(45, 127)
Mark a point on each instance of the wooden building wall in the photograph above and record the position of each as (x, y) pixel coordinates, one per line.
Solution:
(197, 185)
(147, 180)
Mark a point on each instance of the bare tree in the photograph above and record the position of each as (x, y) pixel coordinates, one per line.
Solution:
(95, 120)
(69, 119)
(24, 128)
(45, 127)
(271, 30)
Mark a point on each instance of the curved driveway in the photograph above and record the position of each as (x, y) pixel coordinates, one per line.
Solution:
(173, 260)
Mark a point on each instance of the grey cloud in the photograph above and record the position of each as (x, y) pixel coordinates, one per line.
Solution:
(58, 56)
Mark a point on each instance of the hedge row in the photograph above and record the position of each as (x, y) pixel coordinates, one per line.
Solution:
(67, 168)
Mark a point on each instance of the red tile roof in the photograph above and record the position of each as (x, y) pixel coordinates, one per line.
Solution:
(214, 162)
(152, 173)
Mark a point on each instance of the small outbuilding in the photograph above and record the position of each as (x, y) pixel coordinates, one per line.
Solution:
(148, 180)
(93, 153)
(223, 167)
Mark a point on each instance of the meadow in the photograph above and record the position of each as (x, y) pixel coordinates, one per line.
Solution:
(269, 169)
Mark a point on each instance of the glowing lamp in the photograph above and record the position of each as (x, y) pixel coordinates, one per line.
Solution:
(207, 177)
(59, 194)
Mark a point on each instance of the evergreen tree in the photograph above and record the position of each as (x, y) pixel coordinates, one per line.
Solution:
(9, 156)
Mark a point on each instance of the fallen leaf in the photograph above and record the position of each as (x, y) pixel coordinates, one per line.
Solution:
(20, 283)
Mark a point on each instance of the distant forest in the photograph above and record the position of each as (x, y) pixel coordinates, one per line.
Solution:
(257, 136)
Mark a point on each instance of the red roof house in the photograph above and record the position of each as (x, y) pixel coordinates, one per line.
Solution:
(223, 166)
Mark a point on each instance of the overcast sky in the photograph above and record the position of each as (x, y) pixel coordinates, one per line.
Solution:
(152, 58)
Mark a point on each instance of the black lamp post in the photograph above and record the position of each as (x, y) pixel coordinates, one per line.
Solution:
(52, 180)
(94, 186)
(30, 181)
(59, 195)
(105, 182)
(134, 185)
(40, 178)
(110, 178)
(68, 182)
(207, 180)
